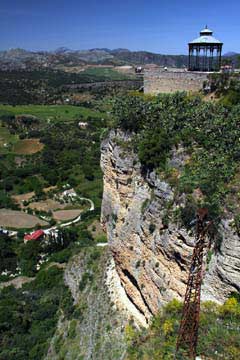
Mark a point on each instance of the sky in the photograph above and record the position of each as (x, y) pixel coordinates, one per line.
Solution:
(159, 26)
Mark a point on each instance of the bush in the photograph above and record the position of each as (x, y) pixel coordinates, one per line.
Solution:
(216, 339)
(28, 316)
(86, 277)
(152, 228)
(162, 123)
(129, 112)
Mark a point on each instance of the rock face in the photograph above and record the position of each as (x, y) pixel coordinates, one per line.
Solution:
(96, 330)
(152, 256)
(223, 276)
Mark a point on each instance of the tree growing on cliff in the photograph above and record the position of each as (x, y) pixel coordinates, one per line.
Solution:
(129, 112)
(154, 148)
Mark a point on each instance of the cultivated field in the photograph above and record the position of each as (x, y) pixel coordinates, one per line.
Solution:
(46, 205)
(50, 112)
(27, 147)
(63, 215)
(18, 219)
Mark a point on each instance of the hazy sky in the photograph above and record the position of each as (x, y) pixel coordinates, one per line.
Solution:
(156, 25)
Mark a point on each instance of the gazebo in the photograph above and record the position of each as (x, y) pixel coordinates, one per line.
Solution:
(205, 52)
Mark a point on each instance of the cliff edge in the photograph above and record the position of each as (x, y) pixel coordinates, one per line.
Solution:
(152, 255)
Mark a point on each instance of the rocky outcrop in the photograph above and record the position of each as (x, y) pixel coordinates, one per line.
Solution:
(152, 256)
(223, 276)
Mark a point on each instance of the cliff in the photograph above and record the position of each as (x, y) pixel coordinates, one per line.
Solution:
(95, 329)
(152, 255)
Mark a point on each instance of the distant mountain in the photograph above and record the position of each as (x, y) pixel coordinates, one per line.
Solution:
(119, 50)
(62, 50)
(230, 54)
(101, 49)
(94, 55)
(63, 56)
(145, 57)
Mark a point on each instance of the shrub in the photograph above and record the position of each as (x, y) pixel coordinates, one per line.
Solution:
(86, 277)
(168, 327)
(230, 308)
(152, 228)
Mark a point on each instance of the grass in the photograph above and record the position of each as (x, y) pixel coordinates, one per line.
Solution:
(19, 147)
(6, 138)
(50, 112)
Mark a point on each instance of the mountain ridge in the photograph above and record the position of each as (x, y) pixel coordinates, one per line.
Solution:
(22, 59)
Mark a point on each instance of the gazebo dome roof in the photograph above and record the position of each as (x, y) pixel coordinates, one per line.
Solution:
(206, 31)
(206, 38)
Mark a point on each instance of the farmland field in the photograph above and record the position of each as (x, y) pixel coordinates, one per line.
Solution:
(27, 147)
(18, 219)
(62, 215)
(50, 112)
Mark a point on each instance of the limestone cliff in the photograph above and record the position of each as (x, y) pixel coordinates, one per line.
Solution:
(152, 256)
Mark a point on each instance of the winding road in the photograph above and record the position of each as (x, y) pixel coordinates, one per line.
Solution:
(76, 220)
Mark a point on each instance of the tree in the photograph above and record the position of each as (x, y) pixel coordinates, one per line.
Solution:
(8, 257)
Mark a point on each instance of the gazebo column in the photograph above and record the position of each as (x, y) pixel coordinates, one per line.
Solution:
(190, 56)
(198, 58)
(208, 57)
(189, 59)
(220, 57)
(195, 59)
(205, 59)
(211, 59)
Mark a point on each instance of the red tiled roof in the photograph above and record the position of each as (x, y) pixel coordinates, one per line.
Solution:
(34, 236)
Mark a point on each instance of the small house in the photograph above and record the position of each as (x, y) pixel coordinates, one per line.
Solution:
(36, 235)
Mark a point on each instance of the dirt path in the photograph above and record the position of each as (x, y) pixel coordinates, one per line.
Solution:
(18, 282)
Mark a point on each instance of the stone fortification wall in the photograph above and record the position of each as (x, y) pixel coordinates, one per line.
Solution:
(162, 81)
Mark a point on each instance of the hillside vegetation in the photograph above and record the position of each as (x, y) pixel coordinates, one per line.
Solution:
(48, 86)
(219, 336)
(209, 134)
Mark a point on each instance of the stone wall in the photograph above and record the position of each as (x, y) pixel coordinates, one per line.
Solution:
(158, 80)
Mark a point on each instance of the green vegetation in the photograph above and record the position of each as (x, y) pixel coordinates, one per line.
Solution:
(226, 87)
(28, 316)
(14, 253)
(70, 155)
(218, 334)
(54, 113)
(208, 132)
(104, 74)
(8, 256)
(43, 146)
(53, 86)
